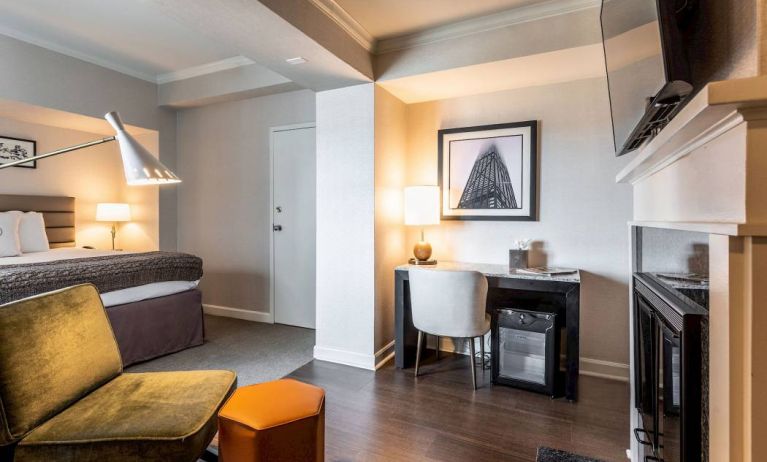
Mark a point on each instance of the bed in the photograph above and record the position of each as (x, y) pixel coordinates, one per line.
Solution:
(151, 298)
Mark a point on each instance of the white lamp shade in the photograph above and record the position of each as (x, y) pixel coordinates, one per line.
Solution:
(422, 205)
(140, 166)
(112, 212)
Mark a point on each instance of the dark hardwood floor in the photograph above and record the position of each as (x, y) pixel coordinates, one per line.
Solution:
(388, 415)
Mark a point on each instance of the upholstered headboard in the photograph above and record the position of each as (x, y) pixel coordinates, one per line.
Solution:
(58, 213)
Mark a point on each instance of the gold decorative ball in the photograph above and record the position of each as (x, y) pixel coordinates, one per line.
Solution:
(422, 251)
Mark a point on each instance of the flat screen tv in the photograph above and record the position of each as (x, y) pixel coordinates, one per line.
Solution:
(646, 46)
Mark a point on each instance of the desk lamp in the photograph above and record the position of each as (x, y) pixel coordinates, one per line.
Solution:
(422, 209)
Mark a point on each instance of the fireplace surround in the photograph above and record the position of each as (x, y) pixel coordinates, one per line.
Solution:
(706, 172)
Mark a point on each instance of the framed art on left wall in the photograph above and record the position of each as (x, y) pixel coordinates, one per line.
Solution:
(13, 149)
(489, 172)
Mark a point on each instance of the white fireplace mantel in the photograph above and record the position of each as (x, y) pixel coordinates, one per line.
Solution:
(706, 171)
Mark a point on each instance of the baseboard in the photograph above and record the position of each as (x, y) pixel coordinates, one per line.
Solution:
(384, 355)
(238, 313)
(604, 369)
(347, 358)
(588, 366)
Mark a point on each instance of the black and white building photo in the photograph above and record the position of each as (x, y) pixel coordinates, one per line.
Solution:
(488, 172)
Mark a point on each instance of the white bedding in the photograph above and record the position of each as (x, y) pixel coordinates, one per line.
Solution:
(64, 253)
(117, 297)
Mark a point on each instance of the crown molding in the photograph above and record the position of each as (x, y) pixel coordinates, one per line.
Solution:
(58, 48)
(204, 69)
(209, 68)
(484, 23)
(350, 25)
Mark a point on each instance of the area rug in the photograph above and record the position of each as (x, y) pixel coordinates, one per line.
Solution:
(556, 455)
(256, 351)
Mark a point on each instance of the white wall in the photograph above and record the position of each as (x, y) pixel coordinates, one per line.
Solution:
(91, 175)
(583, 213)
(224, 213)
(345, 226)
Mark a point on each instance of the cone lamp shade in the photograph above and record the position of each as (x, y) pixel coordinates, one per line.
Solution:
(140, 166)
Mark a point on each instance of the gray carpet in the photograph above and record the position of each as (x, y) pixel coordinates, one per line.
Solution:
(258, 352)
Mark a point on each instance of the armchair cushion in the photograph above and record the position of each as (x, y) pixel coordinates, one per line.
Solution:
(158, 416)
(54, 349)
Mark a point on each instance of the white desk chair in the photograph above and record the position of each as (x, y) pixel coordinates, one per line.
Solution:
(449, 304)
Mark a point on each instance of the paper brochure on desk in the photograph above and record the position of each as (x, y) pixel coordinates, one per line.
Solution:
(546, 271)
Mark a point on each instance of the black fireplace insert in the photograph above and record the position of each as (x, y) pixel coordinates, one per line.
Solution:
(670, 351)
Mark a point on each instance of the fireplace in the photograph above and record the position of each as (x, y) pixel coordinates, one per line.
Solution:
(670, 323)
(703, 173)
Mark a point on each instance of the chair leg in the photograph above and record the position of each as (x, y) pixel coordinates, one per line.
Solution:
(418, 351)
(437, 347)
(482, 356)
(473, 363)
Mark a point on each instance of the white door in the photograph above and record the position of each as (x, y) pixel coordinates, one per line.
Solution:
(293, 225)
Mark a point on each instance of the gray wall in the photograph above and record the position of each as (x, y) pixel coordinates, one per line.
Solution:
(48, 79)
(223, 203)
(583, 212)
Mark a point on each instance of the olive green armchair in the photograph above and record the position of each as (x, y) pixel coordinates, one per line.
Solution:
(64, 396)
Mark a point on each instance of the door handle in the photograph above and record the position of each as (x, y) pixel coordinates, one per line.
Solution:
(277, 227)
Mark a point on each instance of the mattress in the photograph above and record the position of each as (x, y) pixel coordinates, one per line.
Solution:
(113, 298)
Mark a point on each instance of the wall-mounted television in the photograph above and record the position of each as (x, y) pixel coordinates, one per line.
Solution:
(646, 43)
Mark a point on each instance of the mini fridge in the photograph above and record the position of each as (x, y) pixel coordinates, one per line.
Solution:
(526, 347)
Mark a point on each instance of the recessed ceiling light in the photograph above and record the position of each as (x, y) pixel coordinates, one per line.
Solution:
(296, 60)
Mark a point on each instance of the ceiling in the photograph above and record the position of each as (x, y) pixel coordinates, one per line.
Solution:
(390, 18)
(128, 36)
(166, 40)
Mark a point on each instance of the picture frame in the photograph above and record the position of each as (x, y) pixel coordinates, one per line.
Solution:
(13, 149)
(489, 172)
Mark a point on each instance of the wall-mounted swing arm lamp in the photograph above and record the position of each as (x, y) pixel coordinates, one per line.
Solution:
(140, 166)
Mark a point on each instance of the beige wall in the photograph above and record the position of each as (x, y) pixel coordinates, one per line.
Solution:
(390, 246)
(91, 175)
(223, 203)
(583, 212)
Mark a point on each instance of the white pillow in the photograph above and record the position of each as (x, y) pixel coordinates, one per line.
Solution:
(32, 233)
(10, 245)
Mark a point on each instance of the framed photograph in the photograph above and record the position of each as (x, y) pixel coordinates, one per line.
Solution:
(489, 172)
(13, 149)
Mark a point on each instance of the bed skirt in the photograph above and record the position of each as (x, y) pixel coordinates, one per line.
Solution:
(158, 326)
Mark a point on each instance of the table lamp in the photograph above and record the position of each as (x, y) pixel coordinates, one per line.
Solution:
(422, 209)
(115, 213)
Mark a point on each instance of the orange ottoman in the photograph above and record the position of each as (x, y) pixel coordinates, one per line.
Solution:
(282, 420)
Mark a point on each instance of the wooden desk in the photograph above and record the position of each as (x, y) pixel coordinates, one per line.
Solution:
(556, 294)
